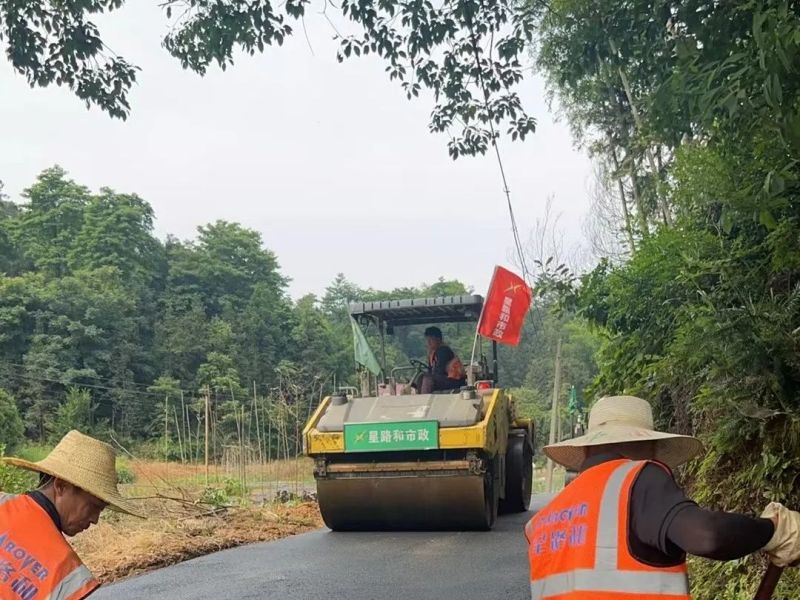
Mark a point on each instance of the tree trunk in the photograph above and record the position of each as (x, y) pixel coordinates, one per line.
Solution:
(637, 197)
(623, 199)
(648, 151)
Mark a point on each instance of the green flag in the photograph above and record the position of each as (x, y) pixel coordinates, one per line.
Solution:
(364, 355)
(572, 405)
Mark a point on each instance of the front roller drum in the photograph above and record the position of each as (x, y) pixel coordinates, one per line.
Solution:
(455, 502)
(519, 476)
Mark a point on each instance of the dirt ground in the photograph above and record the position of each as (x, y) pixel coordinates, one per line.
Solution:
(183, 524)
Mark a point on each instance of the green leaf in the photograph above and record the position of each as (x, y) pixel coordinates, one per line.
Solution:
(758, 24)
(774, 184)
(726, 221)
(767, 220)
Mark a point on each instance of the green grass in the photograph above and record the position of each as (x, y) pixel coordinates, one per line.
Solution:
(540, 480)
(33, 453)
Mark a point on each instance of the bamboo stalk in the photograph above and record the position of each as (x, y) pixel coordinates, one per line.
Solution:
(640, 128)
(178, 430)
(623, 199)
(258, 428)
(207, 424)
(166, 427)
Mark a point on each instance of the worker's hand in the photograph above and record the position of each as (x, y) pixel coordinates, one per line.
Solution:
(784, 547)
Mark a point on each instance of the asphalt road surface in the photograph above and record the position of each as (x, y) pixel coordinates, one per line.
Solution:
(323, 565)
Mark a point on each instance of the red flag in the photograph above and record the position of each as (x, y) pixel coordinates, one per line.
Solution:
(506, 304)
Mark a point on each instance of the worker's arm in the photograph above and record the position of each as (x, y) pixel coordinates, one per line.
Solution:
(718, 535)
(665, 519)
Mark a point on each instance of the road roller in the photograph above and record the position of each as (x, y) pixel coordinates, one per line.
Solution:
(388, 458)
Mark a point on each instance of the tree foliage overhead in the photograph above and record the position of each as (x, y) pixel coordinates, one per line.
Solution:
(52, 42)
(467, 53)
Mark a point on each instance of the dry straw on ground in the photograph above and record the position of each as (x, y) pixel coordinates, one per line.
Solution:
(180, 526)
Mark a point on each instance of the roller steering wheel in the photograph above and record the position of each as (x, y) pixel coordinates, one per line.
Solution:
(419, 364)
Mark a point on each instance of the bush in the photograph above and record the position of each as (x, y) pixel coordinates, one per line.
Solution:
(234, 487)
(215, 497)
(222, 497)
(14, 480)
(11, 427)
(154, 450)
(124, 472)
(75, 413)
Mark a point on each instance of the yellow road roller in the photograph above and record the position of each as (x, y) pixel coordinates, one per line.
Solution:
(387, 458)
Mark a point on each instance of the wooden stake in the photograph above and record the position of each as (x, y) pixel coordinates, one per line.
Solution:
(178, 429)
(166, 427)
(197, 441)
(258, 428)
(189, 441)
(269, 430)
(208, 401)
(214, 452)
(240, 431)
(185, 430)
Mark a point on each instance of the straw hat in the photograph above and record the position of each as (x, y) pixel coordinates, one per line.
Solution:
(621, 419)
(86, 463)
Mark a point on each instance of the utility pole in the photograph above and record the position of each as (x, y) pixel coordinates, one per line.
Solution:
(554, 420)
(208, 400)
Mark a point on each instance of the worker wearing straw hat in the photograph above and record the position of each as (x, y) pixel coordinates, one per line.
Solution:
(623, 527)
(78, 479)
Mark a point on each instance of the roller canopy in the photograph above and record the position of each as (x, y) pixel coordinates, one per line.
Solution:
(420, 311)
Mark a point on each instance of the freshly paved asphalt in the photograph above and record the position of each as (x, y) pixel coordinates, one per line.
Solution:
(351, 566)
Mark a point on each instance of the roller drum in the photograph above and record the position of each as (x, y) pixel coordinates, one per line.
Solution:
(454, 502)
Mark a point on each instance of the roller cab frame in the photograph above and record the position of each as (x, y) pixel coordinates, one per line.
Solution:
(388, 458)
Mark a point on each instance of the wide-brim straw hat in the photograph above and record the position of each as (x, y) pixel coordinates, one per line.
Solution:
(619, 420)
(86, 463)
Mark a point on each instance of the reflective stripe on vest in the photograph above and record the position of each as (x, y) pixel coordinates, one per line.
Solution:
(596, 580)
(614, 570)
(71, 584)
(36, 562)
(6, 497)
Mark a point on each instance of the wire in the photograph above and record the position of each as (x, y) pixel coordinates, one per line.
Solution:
(120, 390)
(224, 396)
(506, 190)
(107, 380)
(111, 384)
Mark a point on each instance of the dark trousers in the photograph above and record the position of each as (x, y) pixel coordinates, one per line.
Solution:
(436, 383)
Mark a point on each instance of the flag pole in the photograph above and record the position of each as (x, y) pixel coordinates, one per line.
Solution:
(471, 375)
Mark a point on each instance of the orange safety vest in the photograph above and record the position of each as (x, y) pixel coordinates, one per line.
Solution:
(455, 368)
(36, 562)
(578, 543)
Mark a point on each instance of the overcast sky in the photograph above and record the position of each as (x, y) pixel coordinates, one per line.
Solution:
(329, 161)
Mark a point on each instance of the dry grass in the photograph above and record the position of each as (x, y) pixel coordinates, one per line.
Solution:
(181, 526)
(159, 473)
(121, 546)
